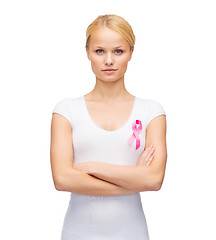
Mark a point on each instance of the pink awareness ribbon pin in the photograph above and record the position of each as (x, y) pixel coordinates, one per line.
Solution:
(135, 135)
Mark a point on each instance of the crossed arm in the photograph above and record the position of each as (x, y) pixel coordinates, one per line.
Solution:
(103, 179)
(141, 177)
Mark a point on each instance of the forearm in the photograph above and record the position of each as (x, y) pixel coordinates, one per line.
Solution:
(82, 183)
(134, 178)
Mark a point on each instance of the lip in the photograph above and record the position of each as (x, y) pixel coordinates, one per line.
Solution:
(109, 70)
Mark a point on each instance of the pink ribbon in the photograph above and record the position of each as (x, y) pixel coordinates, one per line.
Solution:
(135, 135)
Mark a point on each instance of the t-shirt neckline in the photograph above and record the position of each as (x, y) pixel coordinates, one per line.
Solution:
(104, 130)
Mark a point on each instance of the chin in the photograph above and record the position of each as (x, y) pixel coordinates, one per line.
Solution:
(109, 78)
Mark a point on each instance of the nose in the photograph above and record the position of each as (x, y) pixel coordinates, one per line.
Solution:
(108, 59)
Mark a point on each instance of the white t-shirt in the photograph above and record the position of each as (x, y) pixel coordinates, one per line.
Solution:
(106, 217)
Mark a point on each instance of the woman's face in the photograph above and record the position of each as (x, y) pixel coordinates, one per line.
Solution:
(108, 50)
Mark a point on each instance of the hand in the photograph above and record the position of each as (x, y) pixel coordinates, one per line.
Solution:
(82, 166)
(147, 156)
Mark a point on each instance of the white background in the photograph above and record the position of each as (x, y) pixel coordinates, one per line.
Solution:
(43, 59)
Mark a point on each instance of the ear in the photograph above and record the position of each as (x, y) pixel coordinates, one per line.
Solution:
(131, 52)
(88, 55)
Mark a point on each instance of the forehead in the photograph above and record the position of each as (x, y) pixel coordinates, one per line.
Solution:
(104, 36)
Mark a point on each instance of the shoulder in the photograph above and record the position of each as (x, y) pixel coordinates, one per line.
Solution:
(151, 108)
(150, 104)
(63, 102)
(67, 102)
(67, 107)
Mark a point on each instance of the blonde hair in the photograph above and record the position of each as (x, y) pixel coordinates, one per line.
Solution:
(115, 23)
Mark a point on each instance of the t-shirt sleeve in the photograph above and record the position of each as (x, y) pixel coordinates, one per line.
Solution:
(63, 107)
(155, 109)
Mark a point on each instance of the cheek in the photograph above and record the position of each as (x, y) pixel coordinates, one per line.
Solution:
(123, 62)
(95, 61)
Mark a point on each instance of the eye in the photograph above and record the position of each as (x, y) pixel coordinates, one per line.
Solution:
(99, 51)
(119, 51)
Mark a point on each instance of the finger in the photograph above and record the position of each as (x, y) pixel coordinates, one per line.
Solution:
(146, 151)
(149, 154)
(143, 155)
(149, 161)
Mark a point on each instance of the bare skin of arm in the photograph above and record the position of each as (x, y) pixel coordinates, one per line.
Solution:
(65, 177)
(143, 177)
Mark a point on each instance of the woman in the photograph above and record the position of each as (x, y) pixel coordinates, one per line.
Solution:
(107, 146)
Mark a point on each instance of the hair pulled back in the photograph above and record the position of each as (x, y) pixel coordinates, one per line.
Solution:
(114, 22)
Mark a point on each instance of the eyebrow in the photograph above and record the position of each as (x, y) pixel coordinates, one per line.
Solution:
(114, 47)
